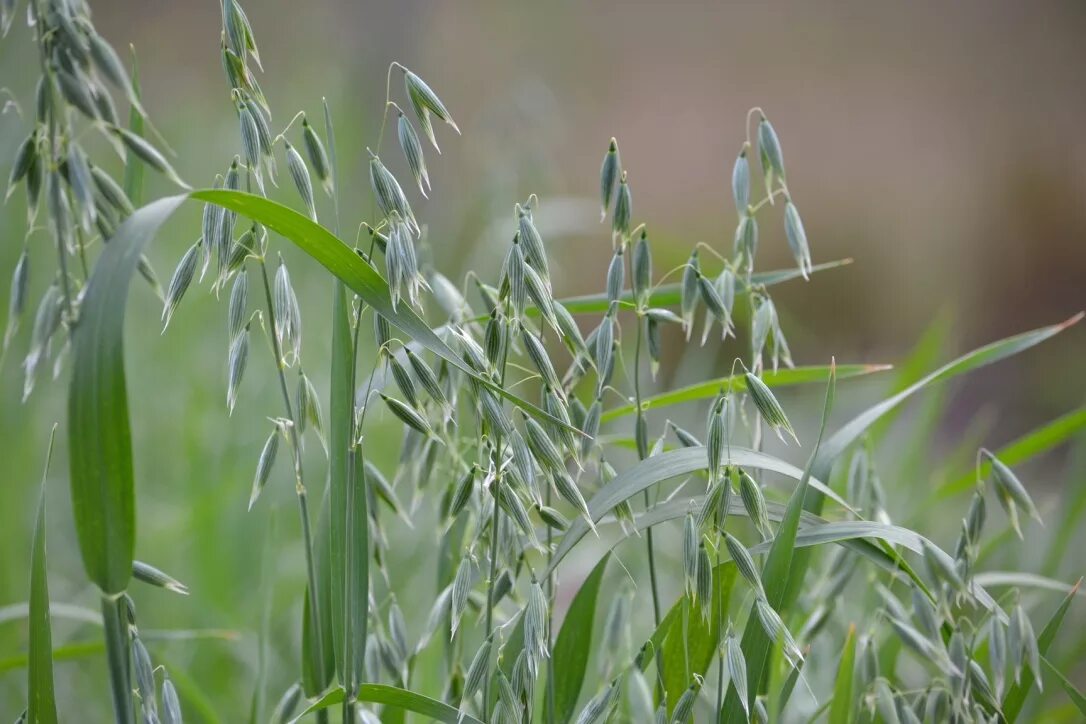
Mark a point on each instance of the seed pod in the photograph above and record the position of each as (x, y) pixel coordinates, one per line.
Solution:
(462, 492)
(403, 381)
(461, 587)
(684, 707)
(77, 91)
(997, 653)
(768, 407)
(538, 355)
(567, 490)
(407, 415)
(704, 579)
(514, 507)
(145, 676)
(690, 556)
(776, 630)
(769, 148)
(737, 669)
(111, 191)
(238, 306)
(25, 157)
(535, 625)
(925, 615)
(743, 562)
(641, 435)
(309, 413)
(514, 275)
(940, 566)
(477, 670)
(390, 196)
(523, 465)
(288, 316)
(571, 333)
(1022, 644)
(754, 502)
(46, 322)
(152, 576)
(708, 293)
(797, 239)
(179, 282)
(300, 175)
(620, 222)
(608, 175)
(616, 275)
(492, 410)
(605, 339)
(689, 297)
(20, 282)
(108, 64)
(540, 296)
(741, 181)
(1011, 493)
(684, 437)
(975, 518)
(264, 465)
(318, 157)
(427, 378)
(561, 434)
(425, 101)
(716, 426)
(714, 508)
(599, 707)
(397, 629)
(552, 518)
(412, 151)
(746, 242)
(171, 705)
(534, 252)
(542, 447)
(239, 355)
(495, 338)
(149, 155)
(642, 269)
(591, 426)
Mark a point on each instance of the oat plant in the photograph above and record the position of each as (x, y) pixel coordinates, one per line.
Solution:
(533, 431)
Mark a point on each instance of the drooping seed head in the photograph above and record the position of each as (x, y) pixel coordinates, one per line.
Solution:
(768, 408)
(609, 173)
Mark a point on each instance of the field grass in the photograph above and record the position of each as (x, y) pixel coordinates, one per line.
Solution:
(478, 501)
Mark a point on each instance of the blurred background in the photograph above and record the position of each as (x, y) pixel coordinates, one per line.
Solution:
(937, 144)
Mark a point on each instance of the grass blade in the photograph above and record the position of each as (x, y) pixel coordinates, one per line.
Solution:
(574, 644)
(783, 377)
(41, 704)
(756, 644)
(654, 470)
(393, 696)
(841, 708)
(1076, 696)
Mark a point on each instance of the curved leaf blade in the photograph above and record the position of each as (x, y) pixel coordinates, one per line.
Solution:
(393, 696)
(574, 643)
(784, 377)
(41, 696)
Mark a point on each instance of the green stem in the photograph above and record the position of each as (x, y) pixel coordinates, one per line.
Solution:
(116, 633)
(299, 482)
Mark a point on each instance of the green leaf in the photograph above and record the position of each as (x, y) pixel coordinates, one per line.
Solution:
(1076, 696)
(1016, 695)
(773, 378)
(318, 656)
(756, 643)
(41, 698)
(394, 697)
(841, 708)
(574, 644)
(656, 469)
(1022, 579)
(1030, 445)
(670, 295)
(690, 641)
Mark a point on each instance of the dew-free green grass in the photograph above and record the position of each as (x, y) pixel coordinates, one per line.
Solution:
(588, 558)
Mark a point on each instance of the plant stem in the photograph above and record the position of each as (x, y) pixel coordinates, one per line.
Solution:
(637, 401)
(116, 633)
(299, 483)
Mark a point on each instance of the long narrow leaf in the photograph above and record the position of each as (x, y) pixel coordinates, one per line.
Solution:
(41, 704)
(394, 697)
(574, 643)
(841, 708)
(784, 377)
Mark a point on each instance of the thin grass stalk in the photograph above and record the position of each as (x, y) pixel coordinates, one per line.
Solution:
(115, 621)
(299, 482)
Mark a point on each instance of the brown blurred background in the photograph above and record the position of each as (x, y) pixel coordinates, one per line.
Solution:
(940, 144)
